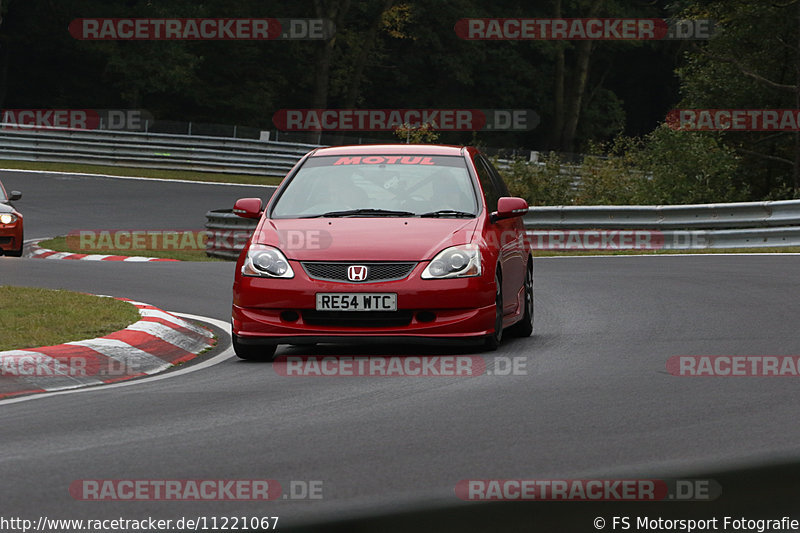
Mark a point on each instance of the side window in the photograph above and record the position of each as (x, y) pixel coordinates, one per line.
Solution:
(498, 180)
(487, 184)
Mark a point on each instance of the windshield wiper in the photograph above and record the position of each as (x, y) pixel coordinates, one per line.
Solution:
(368, 212)
(447, 213)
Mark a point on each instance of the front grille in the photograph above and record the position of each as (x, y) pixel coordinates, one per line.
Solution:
(5, 240)
(375, 271)
(358, 319)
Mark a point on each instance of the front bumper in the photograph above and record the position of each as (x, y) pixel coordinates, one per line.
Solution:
(11, 236)
(277, 311)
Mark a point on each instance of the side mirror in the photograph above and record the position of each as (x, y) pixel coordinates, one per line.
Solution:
(510, 207)
(248, 207)
(15, 195)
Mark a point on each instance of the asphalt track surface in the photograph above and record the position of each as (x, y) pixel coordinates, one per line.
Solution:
(596, 400)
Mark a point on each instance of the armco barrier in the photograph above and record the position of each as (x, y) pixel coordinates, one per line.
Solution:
(151, 150)
(227, 233)
(683, 227)
(663, 217)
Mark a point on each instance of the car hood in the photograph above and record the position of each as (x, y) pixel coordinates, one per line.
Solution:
(364, 239)
(5, 208)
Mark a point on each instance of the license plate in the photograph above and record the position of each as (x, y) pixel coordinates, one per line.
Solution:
(356, 301)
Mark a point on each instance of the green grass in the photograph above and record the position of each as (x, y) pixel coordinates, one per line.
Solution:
(774, 250)
(214, 177)
(59, 244)
(30, 317)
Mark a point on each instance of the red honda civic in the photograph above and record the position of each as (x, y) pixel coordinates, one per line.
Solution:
(395, 243)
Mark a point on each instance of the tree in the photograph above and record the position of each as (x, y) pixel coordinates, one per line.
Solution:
(753, 62)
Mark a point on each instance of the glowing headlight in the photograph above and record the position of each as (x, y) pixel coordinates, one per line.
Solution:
(266, 262)
(7, 218)
(455, 262)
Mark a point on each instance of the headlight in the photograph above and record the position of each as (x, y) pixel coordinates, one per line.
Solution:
(7, 218)
(455, 262)
(266, 262)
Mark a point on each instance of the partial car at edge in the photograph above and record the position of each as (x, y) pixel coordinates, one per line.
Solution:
(11, 230)
(397, 243)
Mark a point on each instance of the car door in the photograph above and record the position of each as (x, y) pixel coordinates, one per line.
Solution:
(506, 234)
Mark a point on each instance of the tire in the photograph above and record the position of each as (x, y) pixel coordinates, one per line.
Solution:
(493, 340)
(524, 328)
(254, 352)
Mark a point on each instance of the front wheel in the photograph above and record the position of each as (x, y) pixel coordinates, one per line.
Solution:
(254, 352)
(494, 339)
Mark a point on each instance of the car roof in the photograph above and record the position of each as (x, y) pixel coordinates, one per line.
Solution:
(383, 149)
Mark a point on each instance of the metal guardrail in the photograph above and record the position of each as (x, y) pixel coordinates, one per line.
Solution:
(151, 150)
(661, 217)
(680, 227)
(673, 227)
(227, 233)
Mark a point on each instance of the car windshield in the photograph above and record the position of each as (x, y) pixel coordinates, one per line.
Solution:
(3, 196)
(379, 185)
